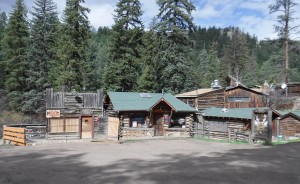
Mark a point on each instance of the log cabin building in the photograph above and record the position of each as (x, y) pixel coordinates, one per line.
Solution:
(243, 97)
(289, 125)
(71, 115)
(228, 124)
(231, 97)
(203, 98)
(147, 115)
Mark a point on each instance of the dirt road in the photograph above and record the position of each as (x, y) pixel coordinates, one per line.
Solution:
(153, 162)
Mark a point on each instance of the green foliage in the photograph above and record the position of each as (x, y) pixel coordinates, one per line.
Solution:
(271, 70)
(44, 27)
(72, 68)
(98, 56)
(213, 67)
(147, 81)
(201, 67)
(15, 49)
(3, 24)
(123, 68)
(236, 54)
(174, 61)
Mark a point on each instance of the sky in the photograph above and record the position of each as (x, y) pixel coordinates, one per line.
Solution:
(251, 16)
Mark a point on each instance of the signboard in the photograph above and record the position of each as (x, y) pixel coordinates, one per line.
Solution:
(262, 125)
(52, 113)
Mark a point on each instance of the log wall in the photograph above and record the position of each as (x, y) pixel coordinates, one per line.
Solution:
(256, 99)
(222, 129)
(289, 127)
(211, 99)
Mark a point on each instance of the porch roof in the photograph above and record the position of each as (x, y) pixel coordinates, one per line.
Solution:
(133, 101)
(238, 113)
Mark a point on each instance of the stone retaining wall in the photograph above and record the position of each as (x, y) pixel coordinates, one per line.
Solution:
(177, 132)
(137, 132)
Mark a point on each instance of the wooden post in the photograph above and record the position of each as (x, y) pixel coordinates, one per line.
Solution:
(3, 134)
(269, 134)
(250, 141)
(229, 136)
(235, 136)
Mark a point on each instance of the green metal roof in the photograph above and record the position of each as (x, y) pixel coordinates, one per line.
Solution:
(132, 101)
(238, 113)
(295, 114)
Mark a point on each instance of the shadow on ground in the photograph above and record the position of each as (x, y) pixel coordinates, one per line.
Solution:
(276, 164)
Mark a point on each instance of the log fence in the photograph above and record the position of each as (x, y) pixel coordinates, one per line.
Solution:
(16, 136)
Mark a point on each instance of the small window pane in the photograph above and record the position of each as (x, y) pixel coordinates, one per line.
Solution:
(238, 99)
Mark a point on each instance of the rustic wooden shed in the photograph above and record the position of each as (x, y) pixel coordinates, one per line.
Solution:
(226, 124)
(71, 115)
(243, 97)
(148, 114)
(289, 125)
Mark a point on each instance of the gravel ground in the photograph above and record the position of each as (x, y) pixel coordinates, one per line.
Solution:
(150, 161)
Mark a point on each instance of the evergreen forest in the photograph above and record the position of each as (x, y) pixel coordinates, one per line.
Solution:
(171, 54)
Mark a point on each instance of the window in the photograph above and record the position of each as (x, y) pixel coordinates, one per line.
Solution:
(137, 121)
(177, 121)
(72, 125)
(238, 99)
(56, 125)
(191, 103)
(60, 125)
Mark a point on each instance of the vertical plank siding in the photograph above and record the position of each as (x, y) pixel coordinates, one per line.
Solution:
(72, 107)
(70, 100)
(256, 99)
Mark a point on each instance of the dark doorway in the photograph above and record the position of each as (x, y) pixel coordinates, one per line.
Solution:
(158, 124)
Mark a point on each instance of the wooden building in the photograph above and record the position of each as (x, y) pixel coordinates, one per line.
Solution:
(227, 124)
(289, 125)
(203, 98)
(243, 97)
(71, 115)
(147, 115)
(293, 89)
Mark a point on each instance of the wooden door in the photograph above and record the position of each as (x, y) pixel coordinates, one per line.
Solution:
(113, 128)
(87, 127)
(158, 124)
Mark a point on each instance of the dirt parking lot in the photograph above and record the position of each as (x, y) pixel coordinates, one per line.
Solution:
(156, 161)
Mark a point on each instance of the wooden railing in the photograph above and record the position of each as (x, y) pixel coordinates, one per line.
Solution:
(16, 136)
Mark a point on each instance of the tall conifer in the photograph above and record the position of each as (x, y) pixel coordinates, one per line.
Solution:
(44, 26)
(15, 49)
(174, 56)
(72, 68)
(123, 68)
(3, 24)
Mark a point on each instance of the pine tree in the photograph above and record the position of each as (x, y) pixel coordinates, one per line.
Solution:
(286, 17)
(44, 26)
(236, 54)
(3, 24)
(15, 48)
(147, 81)
(201, 67)
(72, 68)
(251, 72)
(99, 56)
(174, 55)
(123, 68)
(213, 68)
